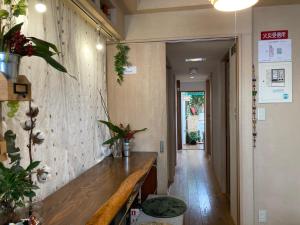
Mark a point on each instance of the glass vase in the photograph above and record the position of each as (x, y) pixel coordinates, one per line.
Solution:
(117, 149)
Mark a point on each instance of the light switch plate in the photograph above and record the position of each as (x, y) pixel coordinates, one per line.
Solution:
(261, 114)
(262, 216)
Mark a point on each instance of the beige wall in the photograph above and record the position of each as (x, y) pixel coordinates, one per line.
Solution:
(219, 125)
(277, 167)
(141, 100)
(186, 24)
(233, 134)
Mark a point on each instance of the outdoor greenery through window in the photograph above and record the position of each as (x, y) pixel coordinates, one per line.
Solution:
(193, 124)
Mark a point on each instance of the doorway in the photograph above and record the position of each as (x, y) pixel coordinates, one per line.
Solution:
(193, 120)
(208, 126)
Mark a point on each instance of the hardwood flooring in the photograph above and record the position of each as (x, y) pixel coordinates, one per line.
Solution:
(195, 183)
(193, 147)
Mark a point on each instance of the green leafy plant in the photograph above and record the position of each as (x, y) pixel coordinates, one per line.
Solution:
(121, 61)
(16, 186)
(120, 132)
(192, 138)
(13, 108)
(16, 182)
(12, 41)
(197, 101)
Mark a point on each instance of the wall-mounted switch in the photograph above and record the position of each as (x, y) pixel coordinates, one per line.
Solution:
(162, 147)
(261, 114)
(262, 216)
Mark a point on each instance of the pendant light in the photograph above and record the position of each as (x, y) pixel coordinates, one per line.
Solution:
(40, 6)
(232, 5)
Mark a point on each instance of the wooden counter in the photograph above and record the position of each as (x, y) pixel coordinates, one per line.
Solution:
(78, 201)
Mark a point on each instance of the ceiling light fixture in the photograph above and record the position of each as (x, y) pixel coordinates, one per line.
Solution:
(193, 72)
(196, 60)
(99, 44)
(40, 6)
(232, 5)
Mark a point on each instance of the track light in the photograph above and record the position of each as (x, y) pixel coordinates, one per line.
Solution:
(233, 5)
(99, 44)
(40, 6)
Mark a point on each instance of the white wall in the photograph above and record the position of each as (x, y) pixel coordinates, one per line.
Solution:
(277, 167)
(192, 86)
(69, 109)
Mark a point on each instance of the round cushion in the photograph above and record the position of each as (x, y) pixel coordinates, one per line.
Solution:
(164, 207)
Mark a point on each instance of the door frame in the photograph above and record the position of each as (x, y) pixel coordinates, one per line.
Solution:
(245, 160)
(208, 120)
(226, 72)
(238, 113)
(178, 116)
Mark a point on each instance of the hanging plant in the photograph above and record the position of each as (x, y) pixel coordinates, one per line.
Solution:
(121, 61)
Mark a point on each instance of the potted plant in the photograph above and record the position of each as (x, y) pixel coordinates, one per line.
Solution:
(192, 138)
(17, 187)
(121, 134)
(14, 45)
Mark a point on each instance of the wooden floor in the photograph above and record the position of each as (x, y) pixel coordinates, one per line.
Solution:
(193, 147)
(196, 184)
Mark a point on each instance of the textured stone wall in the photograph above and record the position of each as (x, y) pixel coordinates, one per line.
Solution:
(69, 108)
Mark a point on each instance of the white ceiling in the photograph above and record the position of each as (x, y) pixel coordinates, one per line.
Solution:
(213, 51)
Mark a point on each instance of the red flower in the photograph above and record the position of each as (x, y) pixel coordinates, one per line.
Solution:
(19, 44)
(129, 135)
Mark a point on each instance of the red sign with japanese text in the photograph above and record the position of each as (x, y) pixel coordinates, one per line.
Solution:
(274, 35)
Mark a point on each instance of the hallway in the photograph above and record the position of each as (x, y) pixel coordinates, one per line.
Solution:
(196, 184)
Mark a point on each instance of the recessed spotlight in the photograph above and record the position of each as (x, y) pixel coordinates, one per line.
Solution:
(40, 6)
(99, 46)
(196, 60)
(192, 77)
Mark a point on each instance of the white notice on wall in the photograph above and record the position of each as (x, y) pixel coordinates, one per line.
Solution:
(129, 70)
(275, 82)
(275, 51)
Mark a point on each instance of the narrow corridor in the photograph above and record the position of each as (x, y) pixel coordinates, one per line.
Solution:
(196, 184)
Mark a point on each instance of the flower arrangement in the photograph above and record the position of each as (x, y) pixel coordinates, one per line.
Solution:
(14, 42)
(17, 186)
(120, 132)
